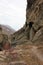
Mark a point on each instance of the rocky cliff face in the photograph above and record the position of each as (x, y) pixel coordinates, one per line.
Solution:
(34, 20)
(33, 28)
(34, 11)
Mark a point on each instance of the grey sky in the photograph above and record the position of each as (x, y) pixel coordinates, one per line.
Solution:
(12, 12)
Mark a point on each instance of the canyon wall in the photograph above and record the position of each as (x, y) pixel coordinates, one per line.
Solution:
(33, 28)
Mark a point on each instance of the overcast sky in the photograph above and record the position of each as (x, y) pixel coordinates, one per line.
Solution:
(12, 12)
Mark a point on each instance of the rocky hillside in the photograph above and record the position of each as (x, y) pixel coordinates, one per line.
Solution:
(34, 20)
(33, 28)
(5, 32)
(29, 39)
(7, 29)
(27, 42)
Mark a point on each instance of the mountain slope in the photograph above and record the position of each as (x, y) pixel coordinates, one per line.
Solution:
(7, 29)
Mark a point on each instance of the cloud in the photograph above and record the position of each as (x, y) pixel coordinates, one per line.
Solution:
(12, 12)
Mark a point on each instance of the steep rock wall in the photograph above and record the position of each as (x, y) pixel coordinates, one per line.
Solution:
(33, 28)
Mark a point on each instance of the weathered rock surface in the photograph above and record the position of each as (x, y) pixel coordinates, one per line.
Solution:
(28, 41)
(5, 33)
(23, 55)
(33, 28)
(34, 13)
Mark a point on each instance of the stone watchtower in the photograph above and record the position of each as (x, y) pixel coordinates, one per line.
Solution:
(34, 19)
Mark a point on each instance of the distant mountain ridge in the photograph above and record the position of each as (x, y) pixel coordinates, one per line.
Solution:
(6, 29)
